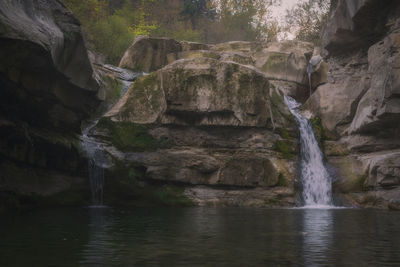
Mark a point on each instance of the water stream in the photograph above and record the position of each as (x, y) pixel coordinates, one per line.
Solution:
(317, 186)
(97, 159)
(309, 72)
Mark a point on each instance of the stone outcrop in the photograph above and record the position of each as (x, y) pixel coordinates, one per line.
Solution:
(212, 123)
(359, 106)
(284, 63)
(48, 87)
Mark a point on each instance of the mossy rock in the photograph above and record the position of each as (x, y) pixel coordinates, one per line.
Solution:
(319, 130)
(128, 136)
(127, 186)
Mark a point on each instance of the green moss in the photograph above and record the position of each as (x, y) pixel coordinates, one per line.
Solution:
(284, 134)
(285, 147)
(113, 88)
(127, 136)
(281, 180)
(244, 86)
(319, 129)
(171, 195)
(235, 46)
(212, 55)
(353, 184)
(275, 62)
(127, 186)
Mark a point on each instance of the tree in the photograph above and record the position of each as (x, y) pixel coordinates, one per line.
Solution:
(246, 20)
(308, 18)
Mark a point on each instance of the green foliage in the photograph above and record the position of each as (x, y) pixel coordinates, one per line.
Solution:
(110, 32)
(318, 129)
(114, 88)
(110, 27)
(285, 147)
(246, 20)
(171, 195)
(128, 136)
(308, 18)
(281, 180)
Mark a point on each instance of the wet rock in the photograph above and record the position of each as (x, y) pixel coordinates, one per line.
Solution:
(48, 87)
(205, 196)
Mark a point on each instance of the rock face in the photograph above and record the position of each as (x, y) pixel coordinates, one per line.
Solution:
(284, 63)
(211, 121)
(360, 106)
(48, 87)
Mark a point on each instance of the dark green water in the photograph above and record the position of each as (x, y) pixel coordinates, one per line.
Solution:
(200, 237)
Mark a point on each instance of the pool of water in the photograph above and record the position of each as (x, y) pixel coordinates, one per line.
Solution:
(200, 237)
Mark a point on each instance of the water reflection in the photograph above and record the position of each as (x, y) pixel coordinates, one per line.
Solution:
(100, 245)
(201, 237)
(317, 235)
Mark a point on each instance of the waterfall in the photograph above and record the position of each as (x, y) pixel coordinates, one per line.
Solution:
(309, 71)
(317, 188)
(97, 159)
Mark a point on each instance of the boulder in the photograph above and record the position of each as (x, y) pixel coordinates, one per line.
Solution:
(359, 105)
(46, 76)
(48, 87)
(204, 121)
(355, 24)
(380, 105)
(285, 61)
(203, 91)
(150, 54)
(249, 197)
(281, 62)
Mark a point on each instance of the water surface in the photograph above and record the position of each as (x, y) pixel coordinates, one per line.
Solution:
(200, 237)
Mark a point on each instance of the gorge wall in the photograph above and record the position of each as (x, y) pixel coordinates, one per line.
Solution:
(47, 87)
(208, 121)
(359, 106)
(207, 125)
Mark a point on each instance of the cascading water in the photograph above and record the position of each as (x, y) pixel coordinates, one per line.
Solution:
(97, 160)
(309, 72)
(317, 188)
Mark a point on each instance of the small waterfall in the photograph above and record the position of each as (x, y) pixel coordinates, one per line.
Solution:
(97, 159)
(309, 71)
(317, 188)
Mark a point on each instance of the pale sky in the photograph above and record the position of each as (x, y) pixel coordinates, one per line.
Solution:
(279, 11)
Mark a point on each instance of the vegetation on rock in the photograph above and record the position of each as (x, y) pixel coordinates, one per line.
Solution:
(111, 26)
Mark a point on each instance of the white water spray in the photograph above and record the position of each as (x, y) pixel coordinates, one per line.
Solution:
(317, 187)
(97, 159)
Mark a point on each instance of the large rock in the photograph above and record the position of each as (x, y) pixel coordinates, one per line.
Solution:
(205, 121)
(149, 54)
(355, 24)
(45, 71)
(47, 88)
(380, 106)
(359, 106)
(336, 102)
(284, 63)
(203, 91)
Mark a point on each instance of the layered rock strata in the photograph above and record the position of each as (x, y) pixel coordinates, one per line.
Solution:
(359, 107)
(210, 119)
(47, 87)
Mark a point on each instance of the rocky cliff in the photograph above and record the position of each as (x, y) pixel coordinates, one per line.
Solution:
(359, 106)
(209, 119)
(47, 87)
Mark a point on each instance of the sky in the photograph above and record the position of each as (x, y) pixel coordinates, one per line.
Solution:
(279, 11)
